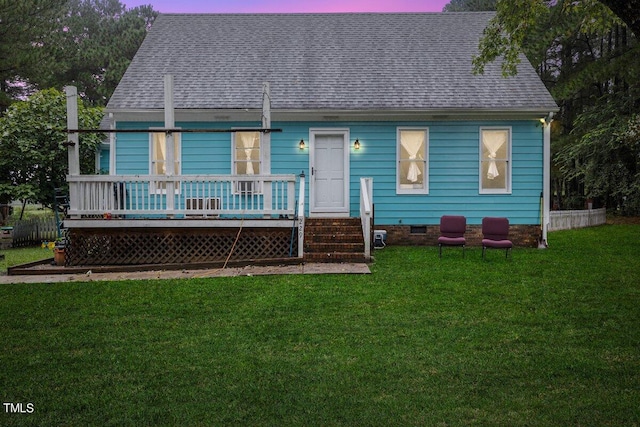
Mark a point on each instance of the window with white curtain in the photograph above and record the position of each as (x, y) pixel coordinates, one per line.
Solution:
(246, 159)
(158, 156)
(412, 161)
(495, 160)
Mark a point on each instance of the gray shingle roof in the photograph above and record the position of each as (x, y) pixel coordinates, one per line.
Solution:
(323, 62)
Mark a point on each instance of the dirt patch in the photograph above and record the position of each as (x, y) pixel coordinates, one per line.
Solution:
(623, 220)
(305, 268)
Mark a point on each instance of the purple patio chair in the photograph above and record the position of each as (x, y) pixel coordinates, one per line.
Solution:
(452, 229)
(495, 234)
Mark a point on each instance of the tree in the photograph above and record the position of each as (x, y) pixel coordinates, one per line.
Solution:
(604, 156)
(515, 19)
(627, 11)
(33, 157)
(587, 57)
(470, 6)
(594, 77)
(93, 45)
(53, 43)
(23, 25)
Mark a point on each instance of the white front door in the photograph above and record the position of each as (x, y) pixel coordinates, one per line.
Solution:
(329, 167)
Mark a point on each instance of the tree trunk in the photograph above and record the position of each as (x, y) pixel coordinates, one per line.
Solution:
(24, 204)
(628, 11)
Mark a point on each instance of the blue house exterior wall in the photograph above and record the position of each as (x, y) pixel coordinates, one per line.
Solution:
(104, 161)
(454, 162)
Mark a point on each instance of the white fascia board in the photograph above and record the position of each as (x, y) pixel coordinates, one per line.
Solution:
(196, 115)
(409, 115)
(251, 115)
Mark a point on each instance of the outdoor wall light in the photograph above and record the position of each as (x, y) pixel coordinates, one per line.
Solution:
(356, 145)
(301, 144)
(547, 120)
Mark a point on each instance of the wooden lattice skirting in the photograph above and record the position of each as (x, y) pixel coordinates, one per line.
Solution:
(175, 246)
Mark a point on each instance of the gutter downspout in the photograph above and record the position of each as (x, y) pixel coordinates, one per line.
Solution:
(546, 176)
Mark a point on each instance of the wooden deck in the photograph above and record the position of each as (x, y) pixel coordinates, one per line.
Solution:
(121, 220)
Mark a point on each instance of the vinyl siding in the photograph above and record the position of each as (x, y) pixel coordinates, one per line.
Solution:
(132, 149)
(103, 161)
(454, 153)
(453, 174)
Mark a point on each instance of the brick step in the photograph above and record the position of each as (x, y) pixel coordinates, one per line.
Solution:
(332, 222)
(333, 227)
(328, 229)
(334, 247)
(334, 257)
(333, 240)
(337, 237)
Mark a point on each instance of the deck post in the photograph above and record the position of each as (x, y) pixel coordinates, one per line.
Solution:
(73, 148)
(266, 144)
(169, 123)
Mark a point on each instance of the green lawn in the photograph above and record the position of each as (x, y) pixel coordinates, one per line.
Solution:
(547, 338)
(19, 256)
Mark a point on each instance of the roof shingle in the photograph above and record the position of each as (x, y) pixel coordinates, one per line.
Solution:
(323, 62)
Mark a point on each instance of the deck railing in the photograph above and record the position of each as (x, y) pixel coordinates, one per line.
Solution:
(181, 196)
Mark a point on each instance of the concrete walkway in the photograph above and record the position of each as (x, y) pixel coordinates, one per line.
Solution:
(308, 268)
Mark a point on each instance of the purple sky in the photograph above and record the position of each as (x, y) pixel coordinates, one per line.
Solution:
(289, 6)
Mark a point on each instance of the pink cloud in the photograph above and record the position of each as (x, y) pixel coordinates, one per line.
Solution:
(290, 6)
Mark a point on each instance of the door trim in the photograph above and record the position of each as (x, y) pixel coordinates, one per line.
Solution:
(343, 211)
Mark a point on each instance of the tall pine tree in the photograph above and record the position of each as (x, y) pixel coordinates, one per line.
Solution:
(24, 25)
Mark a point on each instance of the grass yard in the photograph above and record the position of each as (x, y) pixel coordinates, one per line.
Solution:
(22, 256)
(548, 338)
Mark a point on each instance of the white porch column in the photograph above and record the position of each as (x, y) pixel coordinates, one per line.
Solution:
(169, 123)
(546, 177)
(73, 148)
(266, 144)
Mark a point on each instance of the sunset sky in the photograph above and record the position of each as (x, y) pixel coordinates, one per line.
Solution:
(289, 6)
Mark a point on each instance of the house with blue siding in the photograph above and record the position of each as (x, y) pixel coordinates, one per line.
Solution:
(274, 121)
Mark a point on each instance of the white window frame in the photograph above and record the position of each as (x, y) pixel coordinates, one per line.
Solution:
(178, 159)
(425, 187)
(240, 187)
(508, 160)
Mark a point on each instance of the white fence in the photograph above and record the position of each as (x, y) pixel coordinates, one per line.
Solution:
(564, 220)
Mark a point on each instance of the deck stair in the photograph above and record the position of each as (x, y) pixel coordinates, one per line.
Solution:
(333, 240)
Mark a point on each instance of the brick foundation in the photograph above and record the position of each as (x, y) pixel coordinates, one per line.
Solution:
(520, 235)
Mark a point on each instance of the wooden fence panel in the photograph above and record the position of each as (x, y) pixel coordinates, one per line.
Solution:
(564, 220)
(32, 232)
